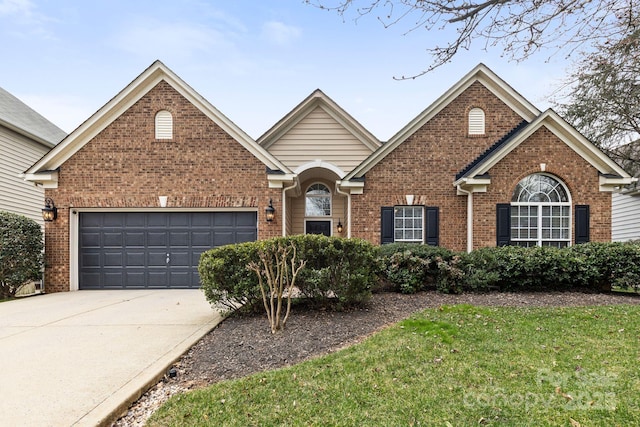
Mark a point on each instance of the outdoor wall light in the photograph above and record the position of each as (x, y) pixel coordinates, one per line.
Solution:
(163, 201)
(49, 212)
(339, 226)
(270, 212)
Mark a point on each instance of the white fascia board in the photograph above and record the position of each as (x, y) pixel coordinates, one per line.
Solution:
(129, 96)
(610, 184)
(481, 73)
(278, 180)
(567, 134)
(48, 179)
(473, 185)
(351, 187)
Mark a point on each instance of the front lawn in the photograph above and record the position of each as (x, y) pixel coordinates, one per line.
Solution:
(453, 366)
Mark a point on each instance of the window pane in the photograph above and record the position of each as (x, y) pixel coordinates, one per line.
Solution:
(408, 222)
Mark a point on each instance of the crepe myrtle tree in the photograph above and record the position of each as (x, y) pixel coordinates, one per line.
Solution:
(21, 257)
(277, 270)
(520, 27)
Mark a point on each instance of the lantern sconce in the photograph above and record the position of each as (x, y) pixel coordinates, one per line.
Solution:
(270, 211)
(339, 226)
(49, 212)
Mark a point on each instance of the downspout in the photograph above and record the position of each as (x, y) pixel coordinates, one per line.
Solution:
(469, 217)
(284, 207)
(348, 209)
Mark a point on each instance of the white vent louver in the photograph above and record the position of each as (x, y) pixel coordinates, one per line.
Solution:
(164, 125)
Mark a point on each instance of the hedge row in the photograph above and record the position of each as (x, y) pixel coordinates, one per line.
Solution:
(337, 271)
(591, 266)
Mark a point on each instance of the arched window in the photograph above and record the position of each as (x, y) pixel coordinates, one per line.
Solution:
(476, 121)
(318, 201)
(540, 212)
(164, 125)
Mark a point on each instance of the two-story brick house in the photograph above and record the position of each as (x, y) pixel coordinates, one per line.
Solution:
(158, 175)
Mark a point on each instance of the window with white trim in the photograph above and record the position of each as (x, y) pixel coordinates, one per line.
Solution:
(318, 201)
(408, 224)
(476, 121)
(540, 212)
(164, 125)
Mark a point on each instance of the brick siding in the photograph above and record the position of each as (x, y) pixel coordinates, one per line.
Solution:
(125, 167)
(425, 166)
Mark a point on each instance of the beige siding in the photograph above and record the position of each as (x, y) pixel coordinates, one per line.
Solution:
(625, 217)
(319, 136)
(338, 210)
(17, 154)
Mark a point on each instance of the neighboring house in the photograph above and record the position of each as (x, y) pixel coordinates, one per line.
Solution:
(158, 175)
(625, 207)
(25, 136)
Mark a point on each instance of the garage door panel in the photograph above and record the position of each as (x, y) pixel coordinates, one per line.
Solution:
(129, 249)
(201, 219)
(112, 239)
(180, 259)
(157, 219)
(113, 220)
(113, 259)
(157, 259)
(157, 238)
(135, 259)
(136, 219)
(246, 219)
(134, 238)
(245, 236)
(179, 238)
(91, 259)
(201, 239)
(90, 240)
(113, 279)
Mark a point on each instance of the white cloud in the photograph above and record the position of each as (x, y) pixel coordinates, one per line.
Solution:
(279, 33)
(16, 7)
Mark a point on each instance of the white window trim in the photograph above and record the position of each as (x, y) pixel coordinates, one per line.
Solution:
(423, 236)
(330, 195)
(540, 240)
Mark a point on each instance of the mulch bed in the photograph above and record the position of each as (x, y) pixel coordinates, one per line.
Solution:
(243, 344)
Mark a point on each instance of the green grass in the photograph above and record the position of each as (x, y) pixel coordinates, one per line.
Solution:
(453, 366)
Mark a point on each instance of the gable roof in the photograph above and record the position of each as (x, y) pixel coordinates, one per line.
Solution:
(611, 174)
(481, 73)
(19, 117)
(318, 99)
(142, 84)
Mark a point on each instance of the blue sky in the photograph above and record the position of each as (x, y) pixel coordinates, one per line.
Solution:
(254, 60)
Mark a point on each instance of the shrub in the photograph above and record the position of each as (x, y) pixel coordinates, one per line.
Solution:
(21, 247)
(225, 278)
(411, 267)
(336, 270)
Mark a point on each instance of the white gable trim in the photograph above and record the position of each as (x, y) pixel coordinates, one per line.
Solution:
(313, 101)
(113, 109)
(567, 134)
(481, 73)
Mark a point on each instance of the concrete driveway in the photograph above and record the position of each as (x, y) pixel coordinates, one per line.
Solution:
(79, 358)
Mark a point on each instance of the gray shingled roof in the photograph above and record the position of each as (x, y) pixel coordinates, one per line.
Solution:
(16, 115)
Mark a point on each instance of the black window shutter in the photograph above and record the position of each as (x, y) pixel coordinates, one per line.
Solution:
(432, 234)
(386, 221)
(582, 224)
(503, 224)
